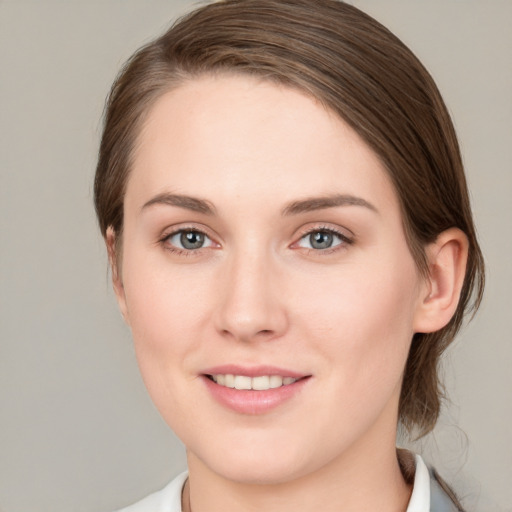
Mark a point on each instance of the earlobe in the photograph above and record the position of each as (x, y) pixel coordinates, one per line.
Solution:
(447, 258)
(117, 281)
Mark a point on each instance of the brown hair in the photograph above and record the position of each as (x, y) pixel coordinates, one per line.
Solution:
(356, 68)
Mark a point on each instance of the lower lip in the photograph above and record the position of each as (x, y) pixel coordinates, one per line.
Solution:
(249, 401)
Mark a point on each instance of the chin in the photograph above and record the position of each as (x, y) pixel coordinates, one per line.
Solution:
(259, 472)
(260, 462)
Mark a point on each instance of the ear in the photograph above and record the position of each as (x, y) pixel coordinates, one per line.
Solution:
(439, 299)
(117, 281)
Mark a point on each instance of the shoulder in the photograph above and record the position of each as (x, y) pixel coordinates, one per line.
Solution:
(167, 499)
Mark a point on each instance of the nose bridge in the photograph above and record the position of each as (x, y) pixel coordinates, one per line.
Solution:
(251, 306)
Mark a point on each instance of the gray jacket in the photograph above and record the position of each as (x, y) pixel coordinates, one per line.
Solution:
(442, 498)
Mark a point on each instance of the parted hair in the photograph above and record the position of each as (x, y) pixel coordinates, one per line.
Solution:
(356, 68)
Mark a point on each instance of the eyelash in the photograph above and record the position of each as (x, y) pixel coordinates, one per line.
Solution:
(344, 241)
(183, 252)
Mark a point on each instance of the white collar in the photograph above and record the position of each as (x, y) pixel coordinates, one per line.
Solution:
(420, 498)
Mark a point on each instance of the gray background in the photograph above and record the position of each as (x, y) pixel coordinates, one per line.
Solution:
(77, 431)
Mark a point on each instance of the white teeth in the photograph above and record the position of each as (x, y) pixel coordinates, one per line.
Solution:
(229, 381)
(260, 383)
(242, 382)
(275, 381)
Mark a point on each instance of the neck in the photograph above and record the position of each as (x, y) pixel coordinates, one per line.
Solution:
(364, 479)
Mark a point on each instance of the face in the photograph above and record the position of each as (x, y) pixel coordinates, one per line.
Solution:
(266, 279)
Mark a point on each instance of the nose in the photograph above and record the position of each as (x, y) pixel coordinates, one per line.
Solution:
(251, 304)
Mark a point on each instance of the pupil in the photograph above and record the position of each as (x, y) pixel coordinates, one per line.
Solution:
(321, 240)
(192, 240)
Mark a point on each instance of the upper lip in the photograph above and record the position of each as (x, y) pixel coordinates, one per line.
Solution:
(252, 371)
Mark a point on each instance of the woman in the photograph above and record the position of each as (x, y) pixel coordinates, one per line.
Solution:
(287, 220)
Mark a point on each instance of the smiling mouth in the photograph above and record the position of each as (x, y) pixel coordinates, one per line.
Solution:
(260, 383)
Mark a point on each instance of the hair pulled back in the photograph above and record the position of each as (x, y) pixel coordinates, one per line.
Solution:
(356, 68)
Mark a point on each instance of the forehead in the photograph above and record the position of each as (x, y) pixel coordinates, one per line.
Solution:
(230, 135)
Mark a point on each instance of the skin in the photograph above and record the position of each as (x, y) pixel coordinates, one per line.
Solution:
(259, 293)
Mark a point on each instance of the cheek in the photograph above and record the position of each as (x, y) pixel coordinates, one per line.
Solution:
(163, 301)
(361, 324)
(362, 317)
(167, 313)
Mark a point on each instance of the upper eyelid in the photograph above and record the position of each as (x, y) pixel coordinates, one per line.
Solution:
(164, 240)
(338, 230)
(166, 234)
(173, 230)
(346, 236)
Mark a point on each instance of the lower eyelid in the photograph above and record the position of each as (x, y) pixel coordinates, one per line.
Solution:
(165, 240)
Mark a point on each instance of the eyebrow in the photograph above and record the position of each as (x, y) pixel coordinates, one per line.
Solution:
(321, 203)
(294, 208)
(187, 202)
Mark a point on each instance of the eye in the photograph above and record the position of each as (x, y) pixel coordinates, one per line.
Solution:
(189, 240)
(322, 239)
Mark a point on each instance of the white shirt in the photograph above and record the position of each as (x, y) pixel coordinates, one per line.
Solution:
(169, 498)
